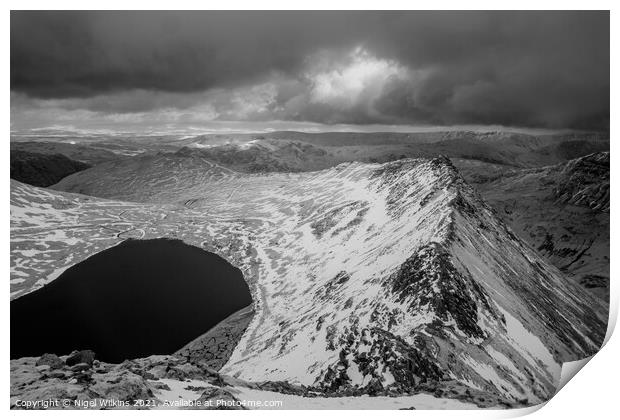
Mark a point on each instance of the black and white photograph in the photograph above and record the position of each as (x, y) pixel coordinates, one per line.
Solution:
(306, 209)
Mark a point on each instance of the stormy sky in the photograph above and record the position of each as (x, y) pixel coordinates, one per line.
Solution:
(158, 70)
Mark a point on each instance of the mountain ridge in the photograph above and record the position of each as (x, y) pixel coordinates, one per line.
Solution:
(485, 310)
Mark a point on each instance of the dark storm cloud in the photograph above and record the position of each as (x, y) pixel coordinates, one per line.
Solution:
(512, 68)
(72, 53)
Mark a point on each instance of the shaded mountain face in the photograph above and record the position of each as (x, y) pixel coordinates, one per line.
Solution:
(42, 170)
(83, 153)
(365, 277)
(561, 210)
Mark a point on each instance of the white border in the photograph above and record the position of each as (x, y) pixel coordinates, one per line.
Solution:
(593, 394)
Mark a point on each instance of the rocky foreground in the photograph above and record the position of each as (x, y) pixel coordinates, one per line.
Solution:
(79, 381)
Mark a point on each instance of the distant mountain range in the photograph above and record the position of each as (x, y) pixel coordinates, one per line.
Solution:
(297, 151)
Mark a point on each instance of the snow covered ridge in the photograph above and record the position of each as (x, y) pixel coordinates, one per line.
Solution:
(366, 278)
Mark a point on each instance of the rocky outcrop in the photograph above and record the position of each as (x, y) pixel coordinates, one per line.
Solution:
(146, 384)
(51, 360)
(430, 281)
(77, 386)
(97, 384)
(81, 357)
(585, 182)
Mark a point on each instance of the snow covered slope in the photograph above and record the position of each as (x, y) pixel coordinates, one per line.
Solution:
(366, 278)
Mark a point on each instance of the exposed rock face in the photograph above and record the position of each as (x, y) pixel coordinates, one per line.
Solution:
(86, 357)
(585, 182)
(169, 367)
(416, 283)
(121, 385)
(42, 170)
(100, 383)
(215, 347)
(429, 281)
(77, 386)
(51, 360)
(80, 367)
(376, 355)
